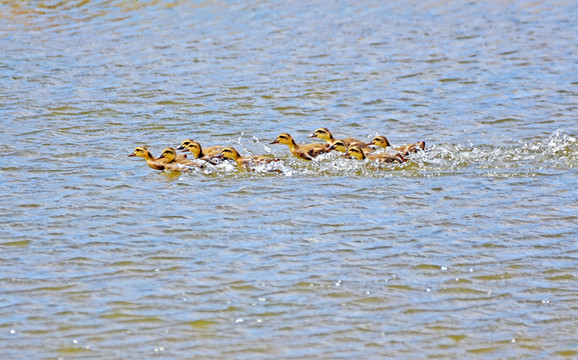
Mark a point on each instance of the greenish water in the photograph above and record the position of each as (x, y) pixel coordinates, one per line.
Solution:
(468, 251)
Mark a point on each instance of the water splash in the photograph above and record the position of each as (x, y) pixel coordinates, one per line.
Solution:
(537, 157)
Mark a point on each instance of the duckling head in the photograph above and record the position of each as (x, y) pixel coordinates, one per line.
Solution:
(322, 133)
(169, 154)
(339, 145)
(284, 138)
(142, 152)
(229, 153)
(380, 141)
(184, 144)
(194, 147)
(420, 144)
(356, 152)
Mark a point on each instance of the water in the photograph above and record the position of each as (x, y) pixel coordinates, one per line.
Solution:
(468, 251)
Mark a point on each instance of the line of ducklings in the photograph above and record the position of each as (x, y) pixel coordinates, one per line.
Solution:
(170, 160)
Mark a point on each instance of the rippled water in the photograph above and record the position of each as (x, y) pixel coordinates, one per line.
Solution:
(467, 251)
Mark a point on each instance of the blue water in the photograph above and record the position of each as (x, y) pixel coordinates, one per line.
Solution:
(467, 251)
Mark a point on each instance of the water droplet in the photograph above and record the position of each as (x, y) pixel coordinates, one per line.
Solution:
(457, 279)
(444, 268)
(158, 269)
(12, 331)
(239, 320)
(428, 290)
(471, 270)
(262, 299)
(75, 341)
(259, 320)
(513, 340)
(367, 292)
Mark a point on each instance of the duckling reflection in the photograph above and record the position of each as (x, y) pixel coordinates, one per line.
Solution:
(356, 152)
(303, 151)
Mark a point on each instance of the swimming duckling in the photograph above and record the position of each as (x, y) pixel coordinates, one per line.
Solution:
(323, 133)
(172, 163)
(152, 162)
(356, 152)
(245, 161)
(304, 151)
(200, 153)
(382, 141)
(340, 146)
(184, 144)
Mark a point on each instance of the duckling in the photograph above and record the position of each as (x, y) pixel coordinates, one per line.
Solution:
(172, 163)
(200, 153)
(340, 146)
(245, 161)
(323, 133)
(356, 152)
(184, 144)
(305, 151)
(152, 162)
(382, 141)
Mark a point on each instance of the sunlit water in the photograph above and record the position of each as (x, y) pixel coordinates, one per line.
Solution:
(466, 251)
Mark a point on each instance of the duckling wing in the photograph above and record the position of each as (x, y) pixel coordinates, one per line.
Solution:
(190, 163)
(367, 150)
(316, 152)
(387, 158)
(213, 150)
(156, 164)
(264, 160)
(354, 142)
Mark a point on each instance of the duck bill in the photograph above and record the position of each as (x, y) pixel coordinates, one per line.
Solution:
(275, 142)
(312, 136)
(181, 148)
(131, 155)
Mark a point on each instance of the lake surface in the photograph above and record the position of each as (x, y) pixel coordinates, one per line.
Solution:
(467, 251)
